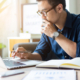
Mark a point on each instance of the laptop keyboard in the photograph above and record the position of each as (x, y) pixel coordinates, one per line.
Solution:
(12, 63)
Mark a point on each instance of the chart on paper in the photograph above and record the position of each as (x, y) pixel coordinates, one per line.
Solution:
(51, 75)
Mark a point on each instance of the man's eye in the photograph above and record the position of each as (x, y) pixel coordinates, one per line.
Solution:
(43, 12)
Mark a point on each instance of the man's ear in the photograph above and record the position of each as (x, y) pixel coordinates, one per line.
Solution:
(59, 8)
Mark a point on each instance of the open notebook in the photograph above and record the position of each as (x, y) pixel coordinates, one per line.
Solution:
(73, 63)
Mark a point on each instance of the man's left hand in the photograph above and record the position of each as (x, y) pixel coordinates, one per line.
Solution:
(48, 28)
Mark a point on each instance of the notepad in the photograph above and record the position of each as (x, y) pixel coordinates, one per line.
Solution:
(72, 64)
(51, 75)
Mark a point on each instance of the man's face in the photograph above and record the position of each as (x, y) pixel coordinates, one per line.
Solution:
(52, 15)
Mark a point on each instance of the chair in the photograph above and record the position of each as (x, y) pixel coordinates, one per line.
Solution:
(31, 47)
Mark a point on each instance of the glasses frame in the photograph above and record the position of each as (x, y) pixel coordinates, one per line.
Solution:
(44, 12)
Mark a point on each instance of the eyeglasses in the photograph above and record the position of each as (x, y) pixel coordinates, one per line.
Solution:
(44, 12)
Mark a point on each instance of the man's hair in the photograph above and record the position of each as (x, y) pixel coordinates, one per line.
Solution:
(54, 3)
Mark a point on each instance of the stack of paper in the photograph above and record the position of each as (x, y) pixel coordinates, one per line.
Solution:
(51, 75)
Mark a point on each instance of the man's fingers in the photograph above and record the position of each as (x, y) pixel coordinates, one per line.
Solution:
(43, 25)
(46, 21)
(21, 55)
(42, 30)
(13, 55)
(20, 49)
(24, 55)
(18, 54)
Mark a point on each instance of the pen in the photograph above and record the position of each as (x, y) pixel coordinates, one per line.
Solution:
(21, 51)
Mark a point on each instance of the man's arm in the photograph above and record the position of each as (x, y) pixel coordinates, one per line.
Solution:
(68, 46)
(35, 56)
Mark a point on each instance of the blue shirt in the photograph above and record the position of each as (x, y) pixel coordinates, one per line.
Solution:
(71, 31)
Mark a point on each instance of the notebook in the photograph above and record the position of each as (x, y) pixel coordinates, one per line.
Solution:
(72, 64)
(12, 64)
(51, 75)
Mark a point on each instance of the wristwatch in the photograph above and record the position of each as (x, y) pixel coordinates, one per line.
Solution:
(55, 34)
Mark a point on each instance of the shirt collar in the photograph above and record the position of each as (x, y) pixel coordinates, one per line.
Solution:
(68, 22)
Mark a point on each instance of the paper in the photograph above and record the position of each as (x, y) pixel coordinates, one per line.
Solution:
(52, 62)
(51, 75)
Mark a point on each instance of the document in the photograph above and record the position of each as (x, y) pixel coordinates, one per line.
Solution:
(73, 63)
(51, 75)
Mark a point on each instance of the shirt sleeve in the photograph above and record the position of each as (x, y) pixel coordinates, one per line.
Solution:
(78, 42)
(43, 47)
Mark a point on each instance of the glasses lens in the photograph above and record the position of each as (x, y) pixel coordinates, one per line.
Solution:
(41, 13)
(38, 13)
(44, 13)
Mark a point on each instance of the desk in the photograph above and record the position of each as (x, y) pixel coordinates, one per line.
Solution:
(27, 70)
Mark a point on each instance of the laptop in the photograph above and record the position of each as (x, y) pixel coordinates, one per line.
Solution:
(12, 64)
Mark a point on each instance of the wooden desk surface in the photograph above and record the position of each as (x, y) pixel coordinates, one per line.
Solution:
(27, 70)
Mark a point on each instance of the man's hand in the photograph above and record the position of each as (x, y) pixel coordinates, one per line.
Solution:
(48, 28)
(20, 52)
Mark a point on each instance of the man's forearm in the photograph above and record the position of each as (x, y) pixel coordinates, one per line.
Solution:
(35, 56)
(68, 46)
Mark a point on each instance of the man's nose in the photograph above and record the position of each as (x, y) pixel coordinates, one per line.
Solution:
(43, 17)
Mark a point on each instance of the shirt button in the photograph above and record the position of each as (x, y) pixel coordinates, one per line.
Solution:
(65, 56)
(61, 32)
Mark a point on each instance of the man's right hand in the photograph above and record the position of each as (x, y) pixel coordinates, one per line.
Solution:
(20, 52)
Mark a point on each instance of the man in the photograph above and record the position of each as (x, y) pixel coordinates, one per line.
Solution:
(60, 32)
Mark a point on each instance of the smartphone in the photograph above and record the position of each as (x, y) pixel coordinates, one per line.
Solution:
(11, 73)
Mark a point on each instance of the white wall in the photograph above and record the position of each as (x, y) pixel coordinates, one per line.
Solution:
(72, 6)
(32, 1)
(78, 6)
